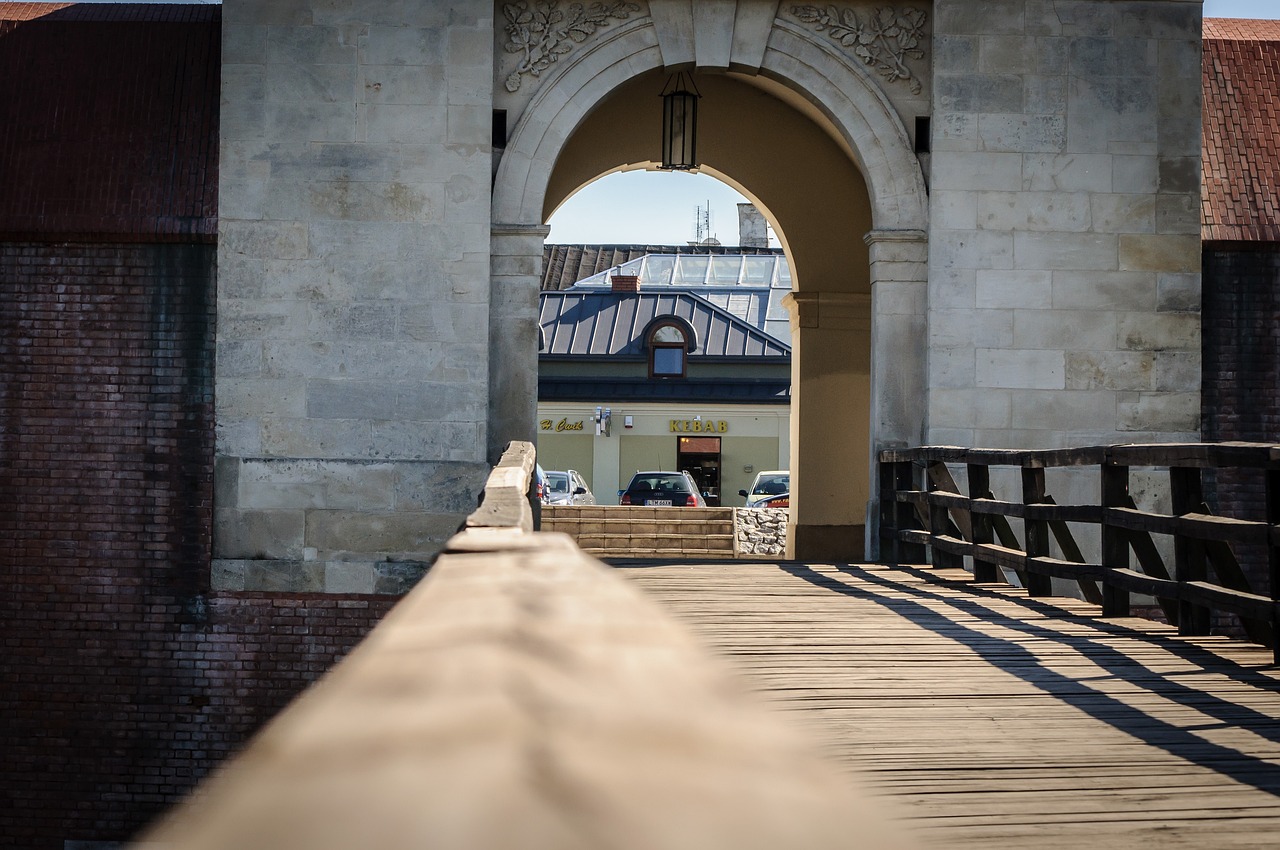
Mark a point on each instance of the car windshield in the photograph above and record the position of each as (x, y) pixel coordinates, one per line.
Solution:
(558, 482)
(772, 485)
(671, 482)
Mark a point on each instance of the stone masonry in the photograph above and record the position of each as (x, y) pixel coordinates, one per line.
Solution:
(1064, 240)
(354, 288)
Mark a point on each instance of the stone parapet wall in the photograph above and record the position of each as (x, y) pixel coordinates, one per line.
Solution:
(760, 531)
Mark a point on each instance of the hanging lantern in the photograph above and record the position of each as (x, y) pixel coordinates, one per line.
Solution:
(679, 124)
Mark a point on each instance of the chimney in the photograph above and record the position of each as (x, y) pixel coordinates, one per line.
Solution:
(751, 227)
(625, 282)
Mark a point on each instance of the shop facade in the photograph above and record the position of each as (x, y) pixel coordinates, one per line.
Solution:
(722, 445)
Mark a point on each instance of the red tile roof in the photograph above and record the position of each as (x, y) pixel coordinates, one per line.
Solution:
(1240, 200)
(111, 131)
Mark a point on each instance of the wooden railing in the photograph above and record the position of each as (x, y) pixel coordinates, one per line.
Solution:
(925, 517)
(525, 696)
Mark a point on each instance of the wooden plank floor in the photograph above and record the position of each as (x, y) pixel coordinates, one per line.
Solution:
(999, 721)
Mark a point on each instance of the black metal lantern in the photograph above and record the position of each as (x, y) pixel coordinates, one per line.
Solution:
(679, 124)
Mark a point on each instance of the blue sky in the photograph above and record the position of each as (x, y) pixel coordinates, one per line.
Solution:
(659, 208)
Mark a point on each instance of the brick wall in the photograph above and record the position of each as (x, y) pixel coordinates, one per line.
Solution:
(1241, 396)
(124, 680)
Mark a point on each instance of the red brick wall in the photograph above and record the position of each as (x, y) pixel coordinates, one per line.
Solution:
(122, 680)
(1241, 391)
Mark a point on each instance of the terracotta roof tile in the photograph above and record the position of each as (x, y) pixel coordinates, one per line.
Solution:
(112, 129)
(1241, 140)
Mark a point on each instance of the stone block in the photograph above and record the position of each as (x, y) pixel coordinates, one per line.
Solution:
(311, 45)
(1110, 370)
(1160, 252)
(396, 578)
(1178, 293)
(972, 249)
(1027, 369)
(309, 83)
(226, 574)
(1177, 372)
(955, 131)
(342, 534)
(1136, 174)
(1178, 213)
(257, 535)
(1037, 211)
(1123, 213)
(236, 436)
(243, 44)
(955, 54)
(239, 359)
(1008, 289)
(977, 171)
(296, 484)
(954, 210)
(1103, 290)
(265, 239)
(348, 577)
(1179, 174)
(1073, 251)
(310, 438)
(399, 124)
(1161, 412)
(988, 18)
(284, 576)
(417, 85)
(451, 323)
(1114, 57)
(1072, 172)
(1070, 330)
(401, 440)
(334, 399)
(1064, 410)
(261, 397)
(1159, 331)
(1022, 133)
(400, 45)
(444, 487)
(1006, 54)
(951, 368)
(311, 122)
(1045, 95)
(971, 328)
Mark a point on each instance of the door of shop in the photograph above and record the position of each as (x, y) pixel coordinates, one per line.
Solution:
(700, 457)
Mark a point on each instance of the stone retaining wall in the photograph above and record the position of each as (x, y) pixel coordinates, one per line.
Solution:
(760, 531)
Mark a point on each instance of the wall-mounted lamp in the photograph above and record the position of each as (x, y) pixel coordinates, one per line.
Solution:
(679, 123)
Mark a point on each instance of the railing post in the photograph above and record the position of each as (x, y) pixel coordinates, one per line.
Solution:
(1115, 541)
(1037, 530)
(888, 542)
(1189, 563)
(1273, 558)
(980, 488)
(940, 524)
(905, 475)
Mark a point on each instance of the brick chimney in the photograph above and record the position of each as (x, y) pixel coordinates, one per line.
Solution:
(625, 282)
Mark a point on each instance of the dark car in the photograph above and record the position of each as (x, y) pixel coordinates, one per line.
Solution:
(663, 490)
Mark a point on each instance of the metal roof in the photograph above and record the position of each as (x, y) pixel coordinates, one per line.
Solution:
(719, 390)
(608, 324)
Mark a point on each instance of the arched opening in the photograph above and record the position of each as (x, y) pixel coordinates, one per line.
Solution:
(791, 149)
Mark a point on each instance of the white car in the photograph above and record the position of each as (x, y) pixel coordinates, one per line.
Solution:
(770, 483)
(568, 487)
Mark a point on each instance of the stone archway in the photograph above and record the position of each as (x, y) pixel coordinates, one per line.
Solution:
(846, 97)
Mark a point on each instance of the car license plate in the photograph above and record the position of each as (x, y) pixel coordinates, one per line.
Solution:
(659, 503)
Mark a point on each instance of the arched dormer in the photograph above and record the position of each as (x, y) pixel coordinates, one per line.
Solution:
(669, 340)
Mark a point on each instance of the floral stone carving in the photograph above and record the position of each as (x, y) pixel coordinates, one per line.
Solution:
(885, 39)
(544, 32)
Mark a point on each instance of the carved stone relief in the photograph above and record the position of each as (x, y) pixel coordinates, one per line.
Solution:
(883, 39)
(539, 33)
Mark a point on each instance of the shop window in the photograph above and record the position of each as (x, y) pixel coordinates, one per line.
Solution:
(668, 352)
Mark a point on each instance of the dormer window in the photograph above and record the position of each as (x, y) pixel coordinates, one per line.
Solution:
(668, 351)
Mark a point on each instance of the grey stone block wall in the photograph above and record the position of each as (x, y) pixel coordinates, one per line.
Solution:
(354, 285)
(1064, 238)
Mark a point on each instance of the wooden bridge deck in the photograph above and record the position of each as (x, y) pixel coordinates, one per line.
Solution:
(998, 721)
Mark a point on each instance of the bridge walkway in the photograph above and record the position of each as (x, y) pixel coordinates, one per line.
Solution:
(992, 719)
